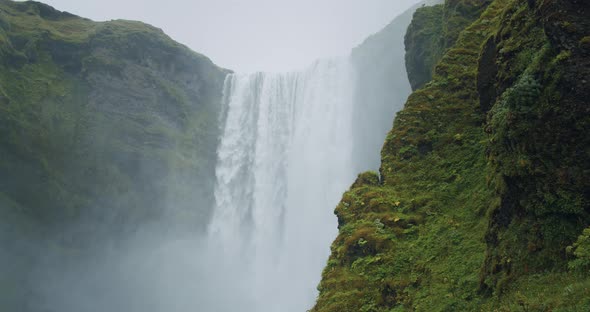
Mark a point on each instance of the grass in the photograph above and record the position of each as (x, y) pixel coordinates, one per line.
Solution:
(415, 241)
(428, 236)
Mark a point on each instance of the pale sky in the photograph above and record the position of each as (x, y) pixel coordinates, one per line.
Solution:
(253, 35)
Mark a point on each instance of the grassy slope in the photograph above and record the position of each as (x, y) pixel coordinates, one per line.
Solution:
(415, 239)
(85, 106)
(103, 126)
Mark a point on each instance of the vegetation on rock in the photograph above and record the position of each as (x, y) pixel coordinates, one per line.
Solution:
(433, 30)
(86, 106)
(482, 199)
(481, 186)
(103, 126)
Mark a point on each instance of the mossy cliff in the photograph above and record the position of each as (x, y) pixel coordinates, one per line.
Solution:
(380, 90)
(86, 106)
(433, 30)
(103, 127)
(482, 196)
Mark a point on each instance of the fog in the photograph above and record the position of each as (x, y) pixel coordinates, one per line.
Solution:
(292, 143)
(284, 160)
(254, 35)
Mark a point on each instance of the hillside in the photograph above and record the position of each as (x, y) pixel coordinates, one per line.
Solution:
(87, 106)
(482, 196)
(481, 202)
(103, 127)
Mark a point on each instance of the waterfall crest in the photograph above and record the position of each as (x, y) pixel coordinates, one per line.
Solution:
(284, 160)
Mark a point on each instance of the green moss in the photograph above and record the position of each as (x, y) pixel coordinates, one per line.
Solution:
(581, 252)
(434, 30)
(85, 109)
(56, 68)
(424, 46)
(367, 178)
(422, 227)
(543, 292)
(534, 133)
(470, 218)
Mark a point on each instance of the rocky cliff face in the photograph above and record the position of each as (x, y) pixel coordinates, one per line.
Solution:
(481, 200)
(538, 67)
(103, 127)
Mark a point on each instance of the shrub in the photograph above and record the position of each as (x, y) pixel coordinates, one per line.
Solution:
(581, 251)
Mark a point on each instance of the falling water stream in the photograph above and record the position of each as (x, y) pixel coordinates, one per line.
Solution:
(283, 163)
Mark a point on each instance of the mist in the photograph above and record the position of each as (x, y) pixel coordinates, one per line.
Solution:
(292, 139)
(149, 271)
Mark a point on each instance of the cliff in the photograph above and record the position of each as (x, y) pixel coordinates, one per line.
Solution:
(381, 87)
(87, 106)
(432, 31)
(481, 199)
(103, 127)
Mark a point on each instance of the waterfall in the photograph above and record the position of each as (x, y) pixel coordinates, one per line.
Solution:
(284, 160)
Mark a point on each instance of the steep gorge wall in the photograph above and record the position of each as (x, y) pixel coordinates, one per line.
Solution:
(481, 187)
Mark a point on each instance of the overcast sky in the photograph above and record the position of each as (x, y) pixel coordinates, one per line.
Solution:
(251, 35)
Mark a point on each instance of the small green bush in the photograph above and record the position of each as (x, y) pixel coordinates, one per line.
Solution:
(581, 251)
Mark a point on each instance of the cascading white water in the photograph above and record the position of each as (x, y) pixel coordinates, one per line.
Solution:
(284, 160)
